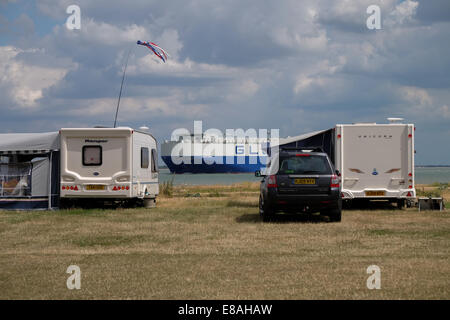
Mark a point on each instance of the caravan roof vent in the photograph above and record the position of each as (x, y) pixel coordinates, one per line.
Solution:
(395, 120)
(144, 128)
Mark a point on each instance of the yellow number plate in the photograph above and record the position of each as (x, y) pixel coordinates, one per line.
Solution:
(304, 181)
(95, 187)
(375, 193)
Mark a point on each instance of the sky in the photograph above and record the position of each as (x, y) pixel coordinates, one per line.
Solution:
(297, 66)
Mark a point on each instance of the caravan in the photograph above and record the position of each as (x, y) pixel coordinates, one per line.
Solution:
(117, 164)
(376, 161)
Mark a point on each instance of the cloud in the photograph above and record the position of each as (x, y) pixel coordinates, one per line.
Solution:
(419, 103)
(107, 34)
(22, 26)
(445, 111)
(403, 13)
(417, 96)
(25, 83)
(433, 11)
(349, 16)
(4, 2)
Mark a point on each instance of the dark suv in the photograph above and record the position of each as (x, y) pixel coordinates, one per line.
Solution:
(300, 180)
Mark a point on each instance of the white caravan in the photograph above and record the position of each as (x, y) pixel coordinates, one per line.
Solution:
(108, 164)
(376, 160)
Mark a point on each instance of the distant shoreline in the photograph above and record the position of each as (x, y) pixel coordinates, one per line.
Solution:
(433, 166)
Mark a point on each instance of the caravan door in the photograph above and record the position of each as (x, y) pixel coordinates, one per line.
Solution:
(145, 166)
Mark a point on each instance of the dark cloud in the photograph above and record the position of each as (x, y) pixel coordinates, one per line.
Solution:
(85, 83)
(294, 65)
(22, 26)
(432, 11)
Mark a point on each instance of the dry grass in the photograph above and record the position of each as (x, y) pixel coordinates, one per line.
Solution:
(217, 248)
(243, 188)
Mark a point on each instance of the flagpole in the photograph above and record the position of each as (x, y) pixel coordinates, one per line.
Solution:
(121, 86)
(155, 48)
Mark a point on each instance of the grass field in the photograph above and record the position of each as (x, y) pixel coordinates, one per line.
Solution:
(209, 243)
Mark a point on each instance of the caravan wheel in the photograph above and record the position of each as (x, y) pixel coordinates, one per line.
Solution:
(149, 202)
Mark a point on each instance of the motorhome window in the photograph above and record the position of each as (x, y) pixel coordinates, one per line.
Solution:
(92, 156)
(144, 158)
(154, 160)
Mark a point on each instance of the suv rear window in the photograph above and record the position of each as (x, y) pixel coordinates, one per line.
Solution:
(310, 164)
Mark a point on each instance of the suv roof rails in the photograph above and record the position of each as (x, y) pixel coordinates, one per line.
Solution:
(309, 149)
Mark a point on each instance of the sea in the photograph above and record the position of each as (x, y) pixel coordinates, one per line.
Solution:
(424, 175)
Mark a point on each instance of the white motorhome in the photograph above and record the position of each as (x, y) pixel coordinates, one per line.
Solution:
(109, 164)
(375, 161)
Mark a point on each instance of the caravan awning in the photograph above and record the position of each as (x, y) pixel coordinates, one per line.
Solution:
(29, 143)
(284, 141)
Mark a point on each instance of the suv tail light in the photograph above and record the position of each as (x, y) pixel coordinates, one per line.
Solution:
(334, 181)
(272, 182)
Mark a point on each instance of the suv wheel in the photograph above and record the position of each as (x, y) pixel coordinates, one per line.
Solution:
(401, 204)
(335, 215)
(265, 212)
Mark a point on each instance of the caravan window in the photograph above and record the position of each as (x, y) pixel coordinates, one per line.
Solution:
(144, 158)
(92, 156)
(154, 161)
